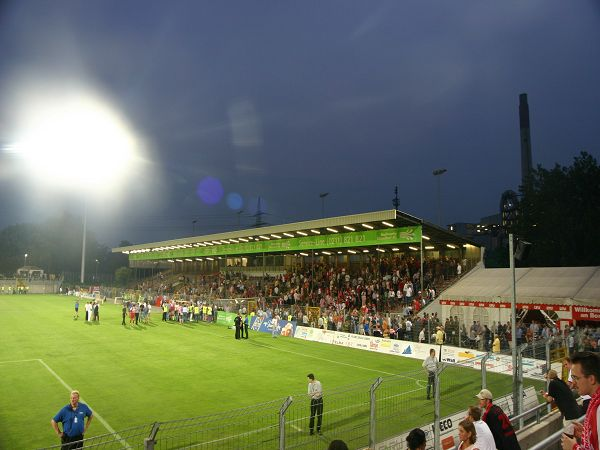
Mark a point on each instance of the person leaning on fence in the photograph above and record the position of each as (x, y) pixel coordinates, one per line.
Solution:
(315, 392)
(72, 417)
(430, 365)
(497, 420)
(586, 379)
(560, 394)
(416, 439)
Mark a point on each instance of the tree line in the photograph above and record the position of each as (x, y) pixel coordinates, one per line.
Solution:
(55, 246)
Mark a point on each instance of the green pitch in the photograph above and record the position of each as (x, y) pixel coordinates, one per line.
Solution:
(137, 375)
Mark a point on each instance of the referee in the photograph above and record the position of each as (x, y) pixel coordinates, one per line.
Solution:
(315, 392)
(430, 365)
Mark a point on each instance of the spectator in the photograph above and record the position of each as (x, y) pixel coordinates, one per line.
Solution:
(467, 435)
(337, 445)
(586, 378)
(416, 439)
(560, 394)
(497, 421)
(485, 439)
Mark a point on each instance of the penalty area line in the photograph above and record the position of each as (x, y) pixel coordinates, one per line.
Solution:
(95, 414)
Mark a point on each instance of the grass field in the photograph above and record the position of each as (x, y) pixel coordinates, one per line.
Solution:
(135, 375)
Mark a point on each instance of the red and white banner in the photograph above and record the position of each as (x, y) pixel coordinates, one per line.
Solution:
(586, 312)
(532, 306)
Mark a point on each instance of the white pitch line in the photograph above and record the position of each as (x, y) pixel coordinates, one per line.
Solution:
(416, 380)
(95, 414)
(18, 361)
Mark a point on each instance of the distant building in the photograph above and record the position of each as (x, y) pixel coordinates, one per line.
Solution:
(487, 233)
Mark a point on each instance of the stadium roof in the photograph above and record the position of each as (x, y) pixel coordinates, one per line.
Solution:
(378, 220)
(547, 285)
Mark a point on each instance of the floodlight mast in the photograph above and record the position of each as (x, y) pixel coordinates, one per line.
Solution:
(84, 239)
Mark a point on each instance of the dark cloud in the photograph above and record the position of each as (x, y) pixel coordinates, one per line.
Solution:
(285, 100)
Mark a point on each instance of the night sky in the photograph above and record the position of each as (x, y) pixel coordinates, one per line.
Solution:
(284, 100)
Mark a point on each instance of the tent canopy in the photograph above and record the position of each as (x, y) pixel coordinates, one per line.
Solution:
(547, 285)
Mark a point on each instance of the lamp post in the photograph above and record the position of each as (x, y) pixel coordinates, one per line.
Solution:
(437, 173)
(322, 197)
(96, 276)
(26, 255)
(83, 243)
(513, 320)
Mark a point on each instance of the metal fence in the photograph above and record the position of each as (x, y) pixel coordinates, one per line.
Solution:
(361, 414)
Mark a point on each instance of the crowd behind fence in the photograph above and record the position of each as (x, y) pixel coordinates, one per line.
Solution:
(362, 414)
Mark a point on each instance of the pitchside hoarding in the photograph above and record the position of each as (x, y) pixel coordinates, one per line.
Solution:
(265, 325)
(532, 368)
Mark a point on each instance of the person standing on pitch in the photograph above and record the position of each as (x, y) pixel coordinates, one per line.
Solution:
(72, 417)
(315, 392)
(76, 316)
(238, 325)
(246, 326)
(430, 365)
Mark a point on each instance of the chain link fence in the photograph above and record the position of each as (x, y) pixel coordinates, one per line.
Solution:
(361, 414)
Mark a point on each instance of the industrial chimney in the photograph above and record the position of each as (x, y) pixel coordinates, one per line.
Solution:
(525, 138)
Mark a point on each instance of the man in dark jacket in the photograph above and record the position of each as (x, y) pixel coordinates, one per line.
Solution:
(502, 430)
(238, 325)
(559, 393)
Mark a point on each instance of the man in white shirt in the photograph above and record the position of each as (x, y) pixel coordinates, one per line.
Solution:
(485, 438)
(430, 365)
(315, 392)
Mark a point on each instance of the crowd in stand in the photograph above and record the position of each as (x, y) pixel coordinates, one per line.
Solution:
(380, 298)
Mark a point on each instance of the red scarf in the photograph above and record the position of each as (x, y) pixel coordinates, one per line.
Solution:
(589, 438)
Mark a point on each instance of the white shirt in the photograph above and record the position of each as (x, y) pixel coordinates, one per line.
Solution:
(315, 390)
(485, 438)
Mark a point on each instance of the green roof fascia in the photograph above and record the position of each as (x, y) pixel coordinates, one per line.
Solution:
(369, 238)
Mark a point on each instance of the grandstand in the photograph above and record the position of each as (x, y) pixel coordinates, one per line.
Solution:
(345, 240)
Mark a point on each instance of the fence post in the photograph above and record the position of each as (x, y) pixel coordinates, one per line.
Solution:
(151, 440)
(549, 342)
(286, 404)
(436, 407)
(519, 392)
(484, 370)
(372, 415)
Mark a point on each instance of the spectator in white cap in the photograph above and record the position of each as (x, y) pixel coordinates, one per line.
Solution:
(502, 430)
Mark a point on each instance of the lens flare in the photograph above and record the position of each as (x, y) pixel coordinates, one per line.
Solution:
(234, 201)
(210, 190)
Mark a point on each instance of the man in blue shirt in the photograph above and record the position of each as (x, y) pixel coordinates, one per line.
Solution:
(72, 417)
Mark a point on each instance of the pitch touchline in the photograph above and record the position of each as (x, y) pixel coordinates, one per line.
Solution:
(337, 362)
(100, 418)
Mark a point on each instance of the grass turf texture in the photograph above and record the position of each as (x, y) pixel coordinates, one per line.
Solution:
(136, 375)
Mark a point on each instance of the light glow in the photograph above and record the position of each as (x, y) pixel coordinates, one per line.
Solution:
(76, 133)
